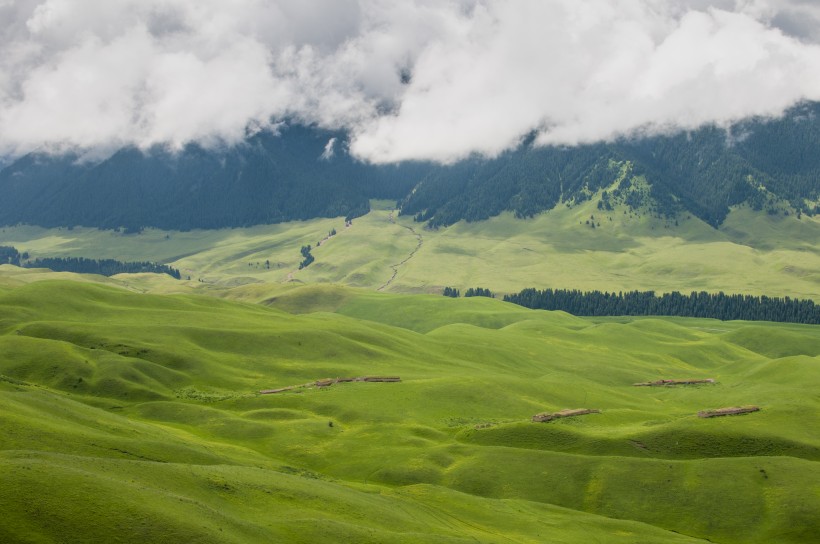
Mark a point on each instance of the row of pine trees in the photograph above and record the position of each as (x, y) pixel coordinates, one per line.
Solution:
(81, 265)
(696, 304)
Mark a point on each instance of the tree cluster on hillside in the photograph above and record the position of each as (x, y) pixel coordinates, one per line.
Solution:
(478, 292)
(696, 304)
(103, 267)
(10, 255)
(451, 292)
(307, 257)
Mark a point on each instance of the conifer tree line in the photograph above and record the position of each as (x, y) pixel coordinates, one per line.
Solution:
(696, 304)
(81, 265)
(478, 292)
(471, 292)
(103, 267)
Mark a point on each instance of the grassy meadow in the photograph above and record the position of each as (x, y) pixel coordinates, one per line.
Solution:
(130, 407)
(134, 417)
(752, 252)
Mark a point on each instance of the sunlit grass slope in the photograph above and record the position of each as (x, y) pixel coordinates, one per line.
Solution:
(136, 418)
(752, 252)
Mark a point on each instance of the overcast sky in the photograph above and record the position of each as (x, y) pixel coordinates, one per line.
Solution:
(410, 79)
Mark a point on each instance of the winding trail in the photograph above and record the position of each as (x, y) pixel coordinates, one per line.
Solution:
(396, 267)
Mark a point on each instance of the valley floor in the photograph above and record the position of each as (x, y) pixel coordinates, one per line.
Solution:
(752, 253)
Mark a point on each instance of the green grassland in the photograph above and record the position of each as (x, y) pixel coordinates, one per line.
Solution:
(130, 412)
(751, 253)
(133, 417)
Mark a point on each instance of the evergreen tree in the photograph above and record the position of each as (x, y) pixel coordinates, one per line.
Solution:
(451, 292)
(9, 255)
(478, 292)
(308, 258)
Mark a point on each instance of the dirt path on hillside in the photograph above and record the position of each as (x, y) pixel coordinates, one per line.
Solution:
(396, 266)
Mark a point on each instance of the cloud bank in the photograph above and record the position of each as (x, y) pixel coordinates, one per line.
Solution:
(410, 79)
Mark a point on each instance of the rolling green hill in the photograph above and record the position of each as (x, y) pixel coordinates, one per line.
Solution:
(135, 417)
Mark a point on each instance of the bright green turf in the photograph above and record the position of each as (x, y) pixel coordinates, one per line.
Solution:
(751, 253)
(134, 418)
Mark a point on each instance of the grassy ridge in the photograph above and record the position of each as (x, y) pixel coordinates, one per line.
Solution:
(135, 417)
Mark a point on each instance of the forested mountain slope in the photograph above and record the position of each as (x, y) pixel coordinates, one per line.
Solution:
(304, 173)
(703, 173)
(269, 179)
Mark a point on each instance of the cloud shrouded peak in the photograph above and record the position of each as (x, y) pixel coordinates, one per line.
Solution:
(419, 79)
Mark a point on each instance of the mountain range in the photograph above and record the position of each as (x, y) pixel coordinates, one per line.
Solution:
(303, 172)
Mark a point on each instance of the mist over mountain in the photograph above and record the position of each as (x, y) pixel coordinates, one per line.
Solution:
(302, 173)
(410, 80)
(701, 172)
(170, 114)
(268, 179)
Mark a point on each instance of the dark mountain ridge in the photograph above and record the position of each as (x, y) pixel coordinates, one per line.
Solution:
(288, 176)
(702, 172)
(269, 179)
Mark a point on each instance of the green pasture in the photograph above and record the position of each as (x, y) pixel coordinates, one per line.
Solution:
(751, 253)
(134, 417)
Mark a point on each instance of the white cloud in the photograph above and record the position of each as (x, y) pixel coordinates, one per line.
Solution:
(420, 79)
(330, 150)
